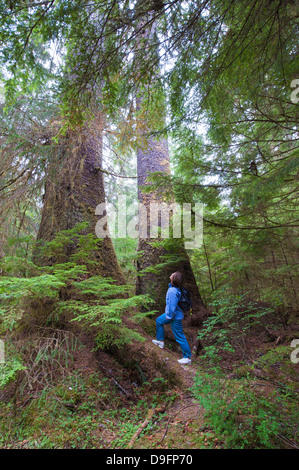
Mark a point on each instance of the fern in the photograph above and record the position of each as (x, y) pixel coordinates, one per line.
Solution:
(11, 367)
(95, 301)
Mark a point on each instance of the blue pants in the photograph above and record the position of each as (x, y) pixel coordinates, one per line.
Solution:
(177, 329)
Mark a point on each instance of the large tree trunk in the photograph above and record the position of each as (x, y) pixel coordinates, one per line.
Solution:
(153, 156)
(73, 190)
(151, 159)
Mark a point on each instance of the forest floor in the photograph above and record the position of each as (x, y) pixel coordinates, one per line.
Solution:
(97, 399)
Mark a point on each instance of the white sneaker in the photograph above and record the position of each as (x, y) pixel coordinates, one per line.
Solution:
(185, 361)
(158, 343)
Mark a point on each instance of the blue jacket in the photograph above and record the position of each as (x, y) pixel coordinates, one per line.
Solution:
(172, 309)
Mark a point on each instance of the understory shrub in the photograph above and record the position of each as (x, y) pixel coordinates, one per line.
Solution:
(232, 319)
(46, 295)
(243, 412)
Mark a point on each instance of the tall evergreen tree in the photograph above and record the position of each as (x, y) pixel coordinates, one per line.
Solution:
(74, 188)
(153, 157)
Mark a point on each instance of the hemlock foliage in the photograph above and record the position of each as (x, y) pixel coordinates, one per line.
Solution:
(223, 75)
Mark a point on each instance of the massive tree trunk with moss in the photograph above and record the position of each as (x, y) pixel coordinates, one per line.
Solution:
(153, 156)
(73, 189)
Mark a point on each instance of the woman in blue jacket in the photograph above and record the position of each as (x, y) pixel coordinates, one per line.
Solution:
(173, 315)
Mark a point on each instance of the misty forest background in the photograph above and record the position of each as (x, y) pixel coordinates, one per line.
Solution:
(160, 101)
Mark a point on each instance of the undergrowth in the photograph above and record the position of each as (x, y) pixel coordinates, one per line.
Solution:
(255, 405)
(245, 412)
(48, 402)
(52, 295)
(81, 411)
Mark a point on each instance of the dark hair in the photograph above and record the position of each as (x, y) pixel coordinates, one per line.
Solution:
(177, 279)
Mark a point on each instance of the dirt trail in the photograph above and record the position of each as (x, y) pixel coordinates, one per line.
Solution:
(182, 427)
(186, 373)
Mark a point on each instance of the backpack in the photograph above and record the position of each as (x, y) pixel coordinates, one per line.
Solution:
(185, 302)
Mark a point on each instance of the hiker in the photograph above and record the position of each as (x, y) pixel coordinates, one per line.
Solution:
(173, 315)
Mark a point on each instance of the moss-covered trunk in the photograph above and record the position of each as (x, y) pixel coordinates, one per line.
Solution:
(151, 159)
(153, 156)
(73, 189)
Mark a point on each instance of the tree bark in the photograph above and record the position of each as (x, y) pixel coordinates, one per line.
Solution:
(73, 189)
(156, 158)
(153, 156)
